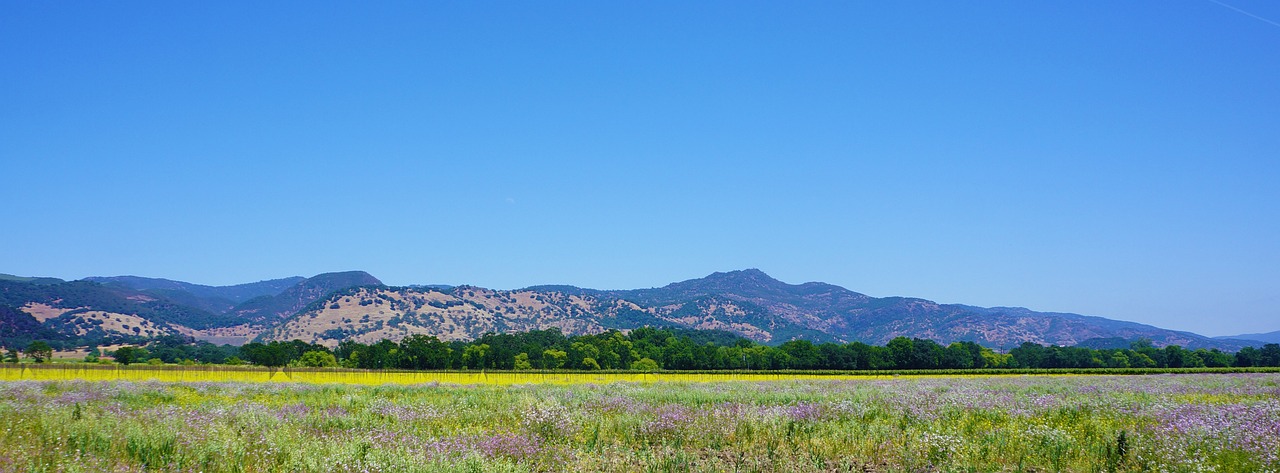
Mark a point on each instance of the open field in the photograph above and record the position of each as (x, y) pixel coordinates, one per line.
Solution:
(1186, 422)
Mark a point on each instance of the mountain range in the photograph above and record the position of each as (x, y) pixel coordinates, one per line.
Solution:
(332, 307)
(1269, 337)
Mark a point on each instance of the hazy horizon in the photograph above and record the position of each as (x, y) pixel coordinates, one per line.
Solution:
(1117, 160)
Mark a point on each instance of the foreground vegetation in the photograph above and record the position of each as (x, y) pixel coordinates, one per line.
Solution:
(1207, 422)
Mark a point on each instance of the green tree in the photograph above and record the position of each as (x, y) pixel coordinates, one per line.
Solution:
(474, 355)
(39, 351)
(957, 356)
(270, 354)
(317, 359)
(554, 358)
(580, 351)
(837, 357)
(1118, 360)
(777, 359)
(1178, 357)
(126, 355)
(992, 359)
(867, 357)
(646, 365)
(522, 362)
(1269, 355)
(900, 349)
(1214, 357)
(1138, 359)
(12, 356)
(590, 363)
(803, 355)
(1029, 355)
(1144, 347)
(757, 357)
(423, 352)
(926, 354)
(1248, 356)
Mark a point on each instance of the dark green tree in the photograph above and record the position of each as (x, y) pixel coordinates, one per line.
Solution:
(1248, 356)
(1269, 355)
(39, 351)
(1029, 355)
(274, 354)
(126, 355)
(926, 354)
(803, 354)
(900, 349)
(957, 356)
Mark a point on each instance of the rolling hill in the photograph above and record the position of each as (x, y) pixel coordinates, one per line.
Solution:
(267, 309)
(748, 303)
(128, 308)
(332, 307)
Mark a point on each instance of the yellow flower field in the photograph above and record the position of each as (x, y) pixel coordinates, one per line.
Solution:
(88, 372)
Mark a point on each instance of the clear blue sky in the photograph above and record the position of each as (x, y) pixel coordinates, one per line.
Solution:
(1119, 159)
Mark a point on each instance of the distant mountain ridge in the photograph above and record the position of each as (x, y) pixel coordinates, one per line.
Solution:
(1269, 337)
(237, 293)
(216, 299)
(32, 280)
(128, 308)
(747, 302)
(354, 305)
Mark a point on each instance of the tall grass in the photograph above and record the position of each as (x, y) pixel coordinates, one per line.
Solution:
(1202, 422)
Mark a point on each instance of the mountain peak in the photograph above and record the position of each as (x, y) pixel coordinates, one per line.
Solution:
(344, 279)
(741, 281)
(749, 275)
(744, 272)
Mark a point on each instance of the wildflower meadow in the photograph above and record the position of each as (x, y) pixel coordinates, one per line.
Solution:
(1187, 422)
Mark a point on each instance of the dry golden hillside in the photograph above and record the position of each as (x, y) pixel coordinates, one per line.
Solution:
(368, 315)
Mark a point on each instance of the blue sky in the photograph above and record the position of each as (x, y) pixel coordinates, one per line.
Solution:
(1107, 158)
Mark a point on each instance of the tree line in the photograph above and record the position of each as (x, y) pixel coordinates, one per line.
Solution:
(651, 348)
